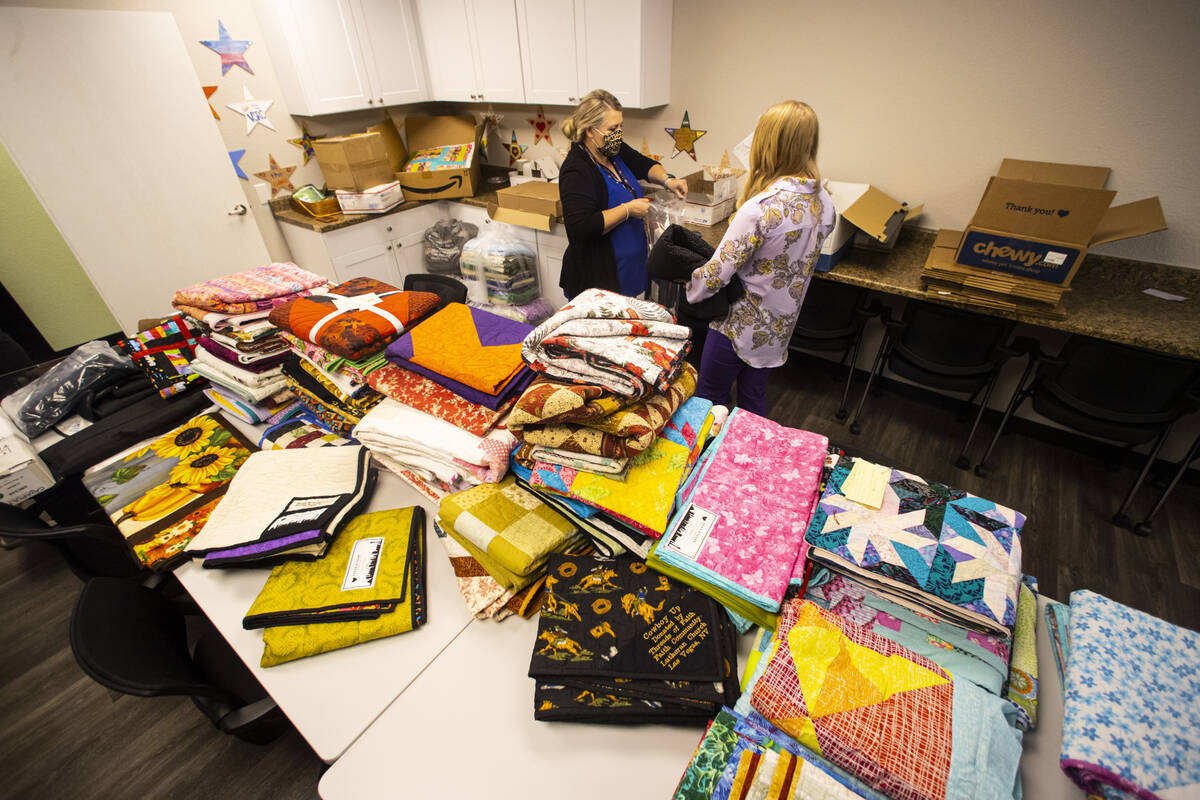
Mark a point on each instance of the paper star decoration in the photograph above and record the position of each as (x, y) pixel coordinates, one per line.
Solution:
(541, 127)
(304, 142)
(279, 177)
(232, 51)
(208, 92)
(725, 169)
(685, 137)
(255, 111)
(491, 122)
(515, 150)
(645, 150)
(235, 156)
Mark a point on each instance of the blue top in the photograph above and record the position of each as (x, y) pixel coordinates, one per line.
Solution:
(628, 238)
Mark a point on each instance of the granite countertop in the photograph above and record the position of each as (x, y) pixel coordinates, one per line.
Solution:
(281, 207)
(1105, 300)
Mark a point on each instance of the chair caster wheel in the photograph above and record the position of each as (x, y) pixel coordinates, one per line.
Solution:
(855, 428)
(1122, 521)
(963, 462)
(841, 415)
(1143, 529)
(982, 471)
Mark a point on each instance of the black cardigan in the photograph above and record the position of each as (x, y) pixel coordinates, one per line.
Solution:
(589, 260)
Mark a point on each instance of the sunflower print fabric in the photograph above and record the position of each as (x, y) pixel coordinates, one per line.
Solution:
(772, 244)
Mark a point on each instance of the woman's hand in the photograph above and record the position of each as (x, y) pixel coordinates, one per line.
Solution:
(678, 186)
(638, 208)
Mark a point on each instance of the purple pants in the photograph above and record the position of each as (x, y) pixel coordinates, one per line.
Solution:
(720, 367)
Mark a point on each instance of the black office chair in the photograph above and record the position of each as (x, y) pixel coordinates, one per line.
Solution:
(832, 319)
(91, 549)
(946, 348)
(447, 288)
(131, 639)
(1110, 391)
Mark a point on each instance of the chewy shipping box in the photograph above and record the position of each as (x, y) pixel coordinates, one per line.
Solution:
(1037, 220)
(434, 184)
(534, 204)
(353, 163)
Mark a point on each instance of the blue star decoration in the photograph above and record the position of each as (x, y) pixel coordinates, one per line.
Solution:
(304, 142)
(515, 151)
(232, 51)
(235, 156)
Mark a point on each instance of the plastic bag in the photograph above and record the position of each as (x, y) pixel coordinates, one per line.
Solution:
(444, 242)
(34, 408)
(662, 214)
(499, 268)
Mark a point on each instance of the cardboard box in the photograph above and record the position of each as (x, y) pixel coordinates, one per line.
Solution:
(534, 204)
(1037, 220)
(393, 145)
(706, 214)
(355, 162)
(423, 132)
(703, 188)
(375, 200)
(22, 473)
(863, 211)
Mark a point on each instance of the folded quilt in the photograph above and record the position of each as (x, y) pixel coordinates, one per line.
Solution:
(298, 432)
(423, 394)
(925, 544)
(163, 352)
(255, 394)
(468, 347)
(361, 400)
(247, 291)
(370, 584)
(272, 410)
(739, 527)
(484, 596)
(350, 370)
(615, 468)
(285, 499)
(334, 418)
(1022, 687)
(235, 322)
(893, 719)
(1131, 708)
(627, 346)
(547, 401)
(354, 319)
(252, 362)
(510, 524)
(237, 373)
(511, 581)
(623, 433)
(265, 340)
(531, 312)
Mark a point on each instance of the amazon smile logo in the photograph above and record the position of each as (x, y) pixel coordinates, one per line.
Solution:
(454, 183)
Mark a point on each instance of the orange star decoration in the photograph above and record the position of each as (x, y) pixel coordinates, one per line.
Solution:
(279, 177)
(541, 127)
(685, 137)
(208, 92)
(645, 150)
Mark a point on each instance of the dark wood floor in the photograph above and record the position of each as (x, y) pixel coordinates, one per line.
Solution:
(63, 736)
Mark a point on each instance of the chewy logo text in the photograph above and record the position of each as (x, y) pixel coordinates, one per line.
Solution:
(1026, 257)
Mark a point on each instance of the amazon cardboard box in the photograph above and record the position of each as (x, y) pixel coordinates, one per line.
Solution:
(1037, 220)
(353, 163)
(533, 204)
(422, 133)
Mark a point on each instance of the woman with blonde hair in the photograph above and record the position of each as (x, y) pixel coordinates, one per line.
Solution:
(772, 245)
(603, 205)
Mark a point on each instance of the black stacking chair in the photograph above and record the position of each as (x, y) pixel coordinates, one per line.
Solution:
(447, 288)
(1144, 527)
(832, 319)
(90, 549)
(946, 348)
(1110, 391)
(133, 640)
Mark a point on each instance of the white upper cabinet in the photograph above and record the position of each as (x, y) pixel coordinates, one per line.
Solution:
(343, 55)
(472, 51)
(569, 47)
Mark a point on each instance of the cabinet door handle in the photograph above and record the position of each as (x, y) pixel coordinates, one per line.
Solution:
(389, 247)
(238, 210)
(480, 97)
(388, 229)
(381, 101)
(370, 102)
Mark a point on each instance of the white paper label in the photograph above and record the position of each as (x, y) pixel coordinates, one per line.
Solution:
(1055, 258)
(308, 503)
(364, 564)
(692, 531)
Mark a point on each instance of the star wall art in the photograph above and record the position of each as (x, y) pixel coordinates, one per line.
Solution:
(236, 156)
(685, 137)
(232, 51)
(279, 177)
(208, 93)
(490, 120)
(645, 150)
(541, 127)
(255, 111)
(304, 142)
(515, 151)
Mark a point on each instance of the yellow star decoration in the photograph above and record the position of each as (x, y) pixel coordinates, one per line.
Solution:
(685, 137)
(279, 177)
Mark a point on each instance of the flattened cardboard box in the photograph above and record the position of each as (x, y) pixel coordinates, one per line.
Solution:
(534, 204)
(424, 132)
(353, 163)
(1037, 220)
(941, 268)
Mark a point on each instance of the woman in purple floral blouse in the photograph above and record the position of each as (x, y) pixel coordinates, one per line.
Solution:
(772, 245)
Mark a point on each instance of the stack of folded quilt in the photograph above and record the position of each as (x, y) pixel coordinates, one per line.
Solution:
(285, 505)
(891, 718)
(163, 352)
(535, 311)
(739, 525)
(508, 267)
(370, 584)
(630, 347)
(249, 292)
(639, 502)
(299, 430)
(507, 530)
(620, 644)
(1131, 703)
(486, 597)
(253, 385)
(423, 394)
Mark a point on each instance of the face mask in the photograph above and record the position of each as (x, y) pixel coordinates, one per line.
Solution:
(612, 143)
